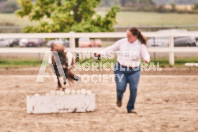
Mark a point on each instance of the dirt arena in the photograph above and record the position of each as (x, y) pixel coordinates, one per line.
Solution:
(166, 101)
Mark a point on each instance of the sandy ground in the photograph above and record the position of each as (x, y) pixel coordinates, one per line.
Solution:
(165, 102)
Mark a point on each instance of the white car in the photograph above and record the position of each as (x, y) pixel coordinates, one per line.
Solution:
(158, 42)
(87, 42)
(23, 42)
(33, 42)
(178, 41)
(7, 42)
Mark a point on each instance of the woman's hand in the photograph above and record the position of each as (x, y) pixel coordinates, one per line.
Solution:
(145, 61)
(97, 56)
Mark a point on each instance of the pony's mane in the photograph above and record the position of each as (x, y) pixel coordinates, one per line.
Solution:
(57, 47)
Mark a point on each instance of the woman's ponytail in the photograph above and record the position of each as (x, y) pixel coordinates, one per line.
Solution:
(139, 35)
(141, 38)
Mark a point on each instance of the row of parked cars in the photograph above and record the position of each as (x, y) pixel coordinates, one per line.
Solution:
(82, 42)
(87, 42)
(8, 42)
(178, 41)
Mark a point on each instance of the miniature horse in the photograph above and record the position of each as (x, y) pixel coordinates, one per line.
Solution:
(67, 62)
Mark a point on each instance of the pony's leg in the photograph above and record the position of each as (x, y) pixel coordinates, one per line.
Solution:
(73, 76)
(59, 84)
(64, 77)
(64, 80)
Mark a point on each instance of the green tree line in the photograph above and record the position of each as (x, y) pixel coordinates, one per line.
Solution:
(66, 15)
(9, 6)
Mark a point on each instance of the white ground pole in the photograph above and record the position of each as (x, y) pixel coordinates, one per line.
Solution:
(60, 104)
(191, 64)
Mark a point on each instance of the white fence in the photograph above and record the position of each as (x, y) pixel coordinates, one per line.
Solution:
(171, 49)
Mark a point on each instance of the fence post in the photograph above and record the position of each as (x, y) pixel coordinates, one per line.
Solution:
(171, 51)
(72, 46)
(72, 40)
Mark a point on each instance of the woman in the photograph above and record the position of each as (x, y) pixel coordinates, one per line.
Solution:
(127, 68)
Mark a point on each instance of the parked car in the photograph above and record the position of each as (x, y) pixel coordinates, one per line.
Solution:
(185, 41)
(158, 42)
(197, 41)
(23, 42)
(31, 42)
(58, 41)
(7, 42)
(16, 42)
(97, 43)
(87, 42)
(178, 41)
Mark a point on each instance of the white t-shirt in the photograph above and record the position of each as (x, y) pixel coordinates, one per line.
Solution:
(128, 54)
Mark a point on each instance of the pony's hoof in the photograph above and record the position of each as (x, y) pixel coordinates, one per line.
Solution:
(58, 88)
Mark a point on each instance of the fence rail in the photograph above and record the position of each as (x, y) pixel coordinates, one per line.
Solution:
(72, 35)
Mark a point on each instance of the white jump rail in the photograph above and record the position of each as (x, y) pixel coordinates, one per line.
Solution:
(60, 104)
(72, 35)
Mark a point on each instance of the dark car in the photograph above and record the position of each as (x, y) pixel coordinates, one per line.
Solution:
(178, 41)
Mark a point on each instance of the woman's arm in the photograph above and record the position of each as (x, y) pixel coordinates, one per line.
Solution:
(144, 54)
(114, 47)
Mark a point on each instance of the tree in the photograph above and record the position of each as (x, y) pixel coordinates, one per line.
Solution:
(161, 9)
(10, 6)
(135, 2)
(123, 2)
(173, 7)
(195, 6)
(146, 2)
(109, 3)
(66, 15)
